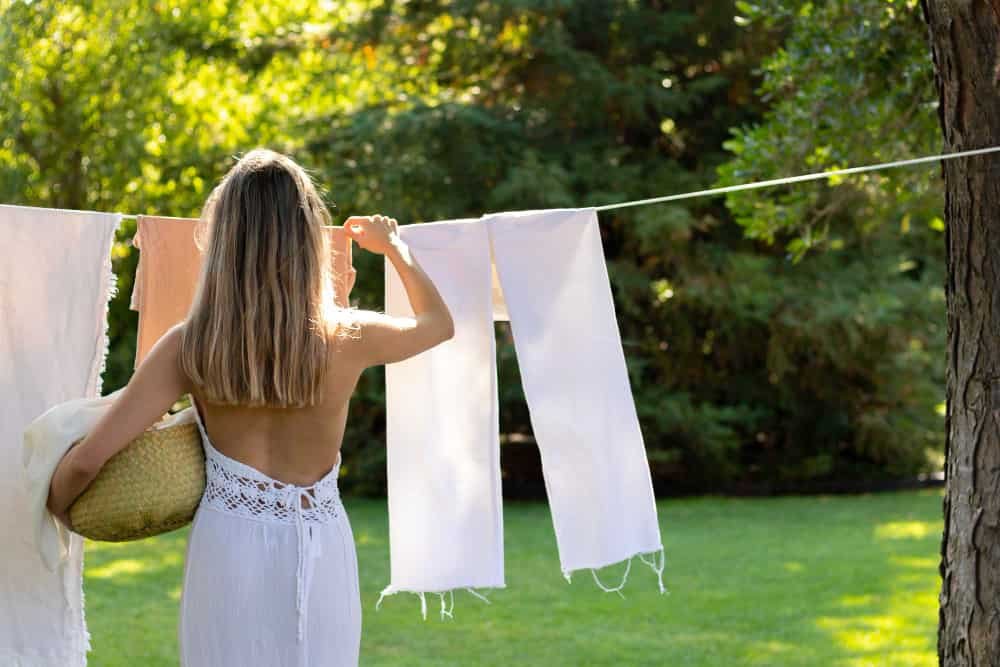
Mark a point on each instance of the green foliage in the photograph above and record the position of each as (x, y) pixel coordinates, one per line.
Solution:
(852, 85)
(804, 341)
(858, 329)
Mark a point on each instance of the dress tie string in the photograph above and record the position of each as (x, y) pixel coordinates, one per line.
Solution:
(294, 495)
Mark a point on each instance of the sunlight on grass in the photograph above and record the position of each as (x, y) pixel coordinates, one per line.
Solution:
(125, 565)
(930, 563)
(895, 623)
(857, 600)
(756, 582)
(865, 632)
(884, 635)
(899, 530)
(364, 538)
(900, 659)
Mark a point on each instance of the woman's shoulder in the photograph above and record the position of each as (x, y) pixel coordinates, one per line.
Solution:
(364, 333)
(357, 324)
(353, 320)
(345, 329)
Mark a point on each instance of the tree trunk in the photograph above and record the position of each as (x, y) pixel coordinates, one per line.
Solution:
(964, 39)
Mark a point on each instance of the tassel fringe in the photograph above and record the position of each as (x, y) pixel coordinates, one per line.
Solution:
(446, 610)
(657, 569)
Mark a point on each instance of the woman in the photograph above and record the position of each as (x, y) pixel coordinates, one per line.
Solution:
(270, 362)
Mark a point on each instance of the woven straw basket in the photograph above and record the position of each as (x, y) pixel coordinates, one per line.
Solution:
(151, 486)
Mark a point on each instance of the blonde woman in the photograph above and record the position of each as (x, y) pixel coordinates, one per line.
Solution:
(270, 361)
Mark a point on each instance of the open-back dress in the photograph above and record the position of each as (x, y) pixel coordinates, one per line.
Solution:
(270, 572)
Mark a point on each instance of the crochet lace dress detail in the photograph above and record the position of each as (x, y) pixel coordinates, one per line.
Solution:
(230, 489)
(234, 487)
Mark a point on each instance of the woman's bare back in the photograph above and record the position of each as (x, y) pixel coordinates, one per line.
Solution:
(300, 445)
(294, 445)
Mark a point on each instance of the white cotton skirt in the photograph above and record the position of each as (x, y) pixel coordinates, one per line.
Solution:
(270, 573)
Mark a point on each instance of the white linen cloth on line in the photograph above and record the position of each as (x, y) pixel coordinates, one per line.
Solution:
(444, 494)
(442, 426)
(55, 283)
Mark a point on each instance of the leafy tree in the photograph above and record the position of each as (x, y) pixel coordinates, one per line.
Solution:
(746, 367)
(862, 336)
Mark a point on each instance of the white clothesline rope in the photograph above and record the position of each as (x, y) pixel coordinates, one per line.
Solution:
(732, 188)
(798, 179)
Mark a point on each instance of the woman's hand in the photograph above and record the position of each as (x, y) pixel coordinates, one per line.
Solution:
(68, 483)
(375, 233)
(62, 515)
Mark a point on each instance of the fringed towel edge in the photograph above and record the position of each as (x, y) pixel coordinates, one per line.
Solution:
(95, 384)
(445, 610)
(657, 569)
(109, 285)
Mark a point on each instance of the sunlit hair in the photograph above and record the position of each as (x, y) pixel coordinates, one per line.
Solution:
(264, 311)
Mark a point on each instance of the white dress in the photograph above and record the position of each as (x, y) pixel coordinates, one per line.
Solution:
(270, 573)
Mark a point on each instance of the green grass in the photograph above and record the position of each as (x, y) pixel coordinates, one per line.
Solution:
(848, 580)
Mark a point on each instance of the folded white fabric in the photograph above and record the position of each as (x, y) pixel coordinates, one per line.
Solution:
(46, 440)
(55, 283)
(445, 507)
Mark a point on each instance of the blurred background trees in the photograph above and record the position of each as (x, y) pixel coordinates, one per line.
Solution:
(773, 337)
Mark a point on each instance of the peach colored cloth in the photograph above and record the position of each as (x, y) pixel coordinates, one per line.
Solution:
(168, 270)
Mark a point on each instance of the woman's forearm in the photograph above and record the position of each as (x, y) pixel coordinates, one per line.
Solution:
(424, 297)
(68, 482)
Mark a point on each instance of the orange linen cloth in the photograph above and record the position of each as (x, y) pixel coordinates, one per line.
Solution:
(168, 270)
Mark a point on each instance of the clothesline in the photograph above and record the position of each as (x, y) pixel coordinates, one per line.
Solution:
(746, 186)
(788, 179)
(797, 179)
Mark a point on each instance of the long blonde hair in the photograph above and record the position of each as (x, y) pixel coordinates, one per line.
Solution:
(263, 312)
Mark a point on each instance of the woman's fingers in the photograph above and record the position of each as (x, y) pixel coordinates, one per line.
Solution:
(357, 220)
(373, 233)
(355, 225)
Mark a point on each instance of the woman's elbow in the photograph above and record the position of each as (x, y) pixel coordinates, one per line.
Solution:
(445, 333)
(449, 330)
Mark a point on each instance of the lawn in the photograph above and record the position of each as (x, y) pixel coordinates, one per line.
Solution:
(827, 580)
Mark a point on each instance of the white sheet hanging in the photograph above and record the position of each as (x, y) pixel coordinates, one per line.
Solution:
(55, 283)
(569, 351)
(445, 506)
(443, 456)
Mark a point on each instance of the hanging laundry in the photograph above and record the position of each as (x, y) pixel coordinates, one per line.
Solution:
(165, 277)
(442, 436)
(569, 352)
(55, 284)
(169, 267)
(443, 439)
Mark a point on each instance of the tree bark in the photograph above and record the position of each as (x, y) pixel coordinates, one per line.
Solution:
(964, 37)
